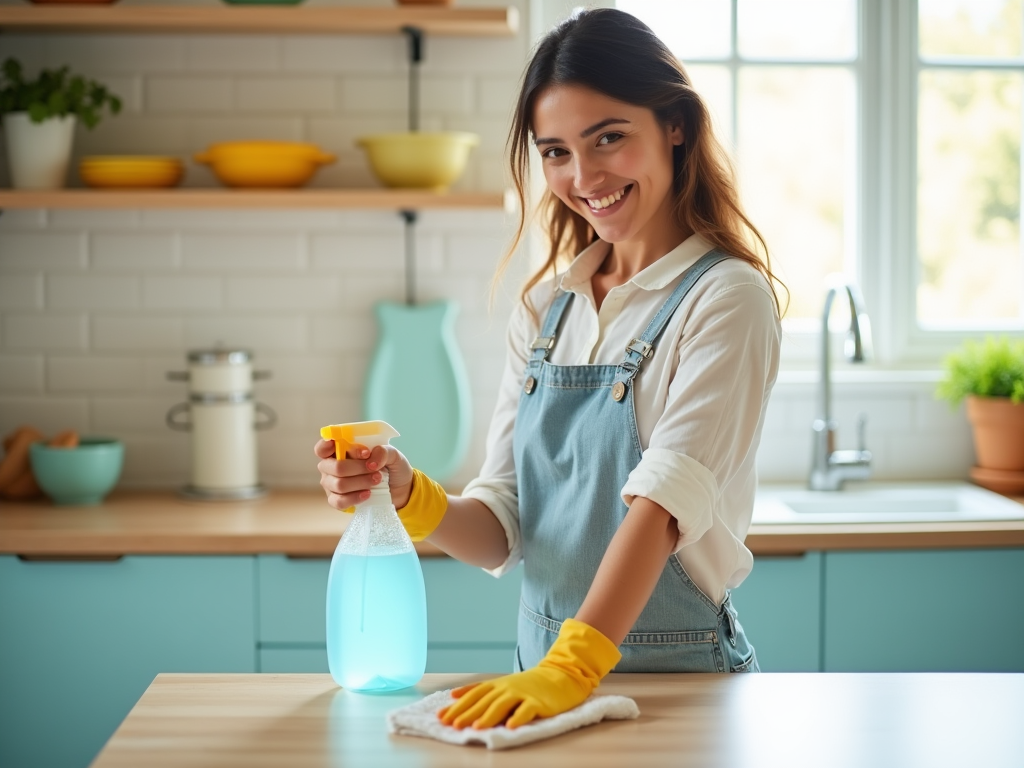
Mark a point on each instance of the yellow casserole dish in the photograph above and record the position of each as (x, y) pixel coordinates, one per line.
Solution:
(130, 171)
(264, 163)
(419, 160)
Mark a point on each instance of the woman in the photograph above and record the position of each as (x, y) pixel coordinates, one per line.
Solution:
(620, 459)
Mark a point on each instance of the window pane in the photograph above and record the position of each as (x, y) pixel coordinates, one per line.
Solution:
(970, 27)
(712, 82)
(797, 165)
(692, 29)
(968, 198)
(825, 30)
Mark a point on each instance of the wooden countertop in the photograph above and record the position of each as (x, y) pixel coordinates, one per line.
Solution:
(705, 720)
(299, 523)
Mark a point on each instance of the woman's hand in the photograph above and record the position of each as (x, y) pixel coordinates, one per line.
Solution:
(347, 481)
(564, 678)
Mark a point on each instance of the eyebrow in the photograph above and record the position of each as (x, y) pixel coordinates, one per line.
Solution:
(587, 131)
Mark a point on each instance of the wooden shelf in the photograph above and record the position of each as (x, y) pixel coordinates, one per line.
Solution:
(493, 22)
(394, 199)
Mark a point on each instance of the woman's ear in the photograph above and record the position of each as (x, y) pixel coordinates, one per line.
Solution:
(675, 135)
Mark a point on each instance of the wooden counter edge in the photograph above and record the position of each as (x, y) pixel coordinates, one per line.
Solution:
(69, 542)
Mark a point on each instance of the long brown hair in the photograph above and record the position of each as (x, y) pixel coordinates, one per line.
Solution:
(615, 54)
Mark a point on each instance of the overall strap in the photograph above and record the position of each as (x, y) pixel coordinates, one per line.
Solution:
(544, 343)
(643, 348)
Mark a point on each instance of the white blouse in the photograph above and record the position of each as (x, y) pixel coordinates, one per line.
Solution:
(700, 400)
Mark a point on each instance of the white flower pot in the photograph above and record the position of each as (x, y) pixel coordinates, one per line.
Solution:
(38, 153)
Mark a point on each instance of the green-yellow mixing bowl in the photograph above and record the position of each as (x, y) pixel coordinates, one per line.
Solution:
(419, 160)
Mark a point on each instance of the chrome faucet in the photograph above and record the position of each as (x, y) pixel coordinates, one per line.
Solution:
(831, 468)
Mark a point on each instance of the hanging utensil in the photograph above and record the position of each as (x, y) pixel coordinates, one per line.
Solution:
(417, 376)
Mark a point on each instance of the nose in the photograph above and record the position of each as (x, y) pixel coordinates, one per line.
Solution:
(587, 175)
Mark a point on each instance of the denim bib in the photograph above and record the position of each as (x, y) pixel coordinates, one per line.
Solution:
(575, 443)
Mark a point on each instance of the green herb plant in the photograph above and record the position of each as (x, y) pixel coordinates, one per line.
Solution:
(993, 368)
(53, 93)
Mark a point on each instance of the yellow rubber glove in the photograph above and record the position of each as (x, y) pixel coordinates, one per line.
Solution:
(563, 679)
(426, 506)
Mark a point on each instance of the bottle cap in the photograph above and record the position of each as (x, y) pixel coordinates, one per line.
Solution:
(368, 433)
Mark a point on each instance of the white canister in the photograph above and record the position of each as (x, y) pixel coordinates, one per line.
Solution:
(223, 418)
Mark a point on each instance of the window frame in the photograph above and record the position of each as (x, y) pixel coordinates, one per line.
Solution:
(886, 68)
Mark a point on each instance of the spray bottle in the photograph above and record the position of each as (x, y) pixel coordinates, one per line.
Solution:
(376, 602)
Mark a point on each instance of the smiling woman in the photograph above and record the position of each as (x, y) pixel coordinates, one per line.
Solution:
(620, 462)
(623, 99)
(615, 172)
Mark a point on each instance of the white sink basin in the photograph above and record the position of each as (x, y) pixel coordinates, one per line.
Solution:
(882, 503)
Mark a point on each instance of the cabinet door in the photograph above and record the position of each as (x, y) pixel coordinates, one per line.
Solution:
(81, 641)
(924, 611)
(471, 616)
(779, 607)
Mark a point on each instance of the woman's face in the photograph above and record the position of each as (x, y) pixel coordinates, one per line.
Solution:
(609, 161)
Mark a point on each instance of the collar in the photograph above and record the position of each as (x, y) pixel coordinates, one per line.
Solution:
(653, 277)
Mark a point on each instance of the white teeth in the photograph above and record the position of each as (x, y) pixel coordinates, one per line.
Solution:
(604, 202)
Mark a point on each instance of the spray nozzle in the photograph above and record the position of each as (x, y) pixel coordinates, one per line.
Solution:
(368, 433)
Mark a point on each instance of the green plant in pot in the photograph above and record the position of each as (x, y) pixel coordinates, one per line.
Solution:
(989, 375)
(39, 116)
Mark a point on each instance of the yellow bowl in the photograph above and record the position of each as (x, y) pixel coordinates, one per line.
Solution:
(130, 171)
(419, 160)
(264, 163)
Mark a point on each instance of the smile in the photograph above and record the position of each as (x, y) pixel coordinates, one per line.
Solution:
(608, 201)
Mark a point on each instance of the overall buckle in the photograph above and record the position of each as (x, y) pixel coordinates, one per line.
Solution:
(641, 347)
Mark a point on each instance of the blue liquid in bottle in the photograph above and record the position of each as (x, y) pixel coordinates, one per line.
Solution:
(376, 606)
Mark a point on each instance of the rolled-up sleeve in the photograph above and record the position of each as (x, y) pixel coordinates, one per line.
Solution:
(728, 357)
(496, 486)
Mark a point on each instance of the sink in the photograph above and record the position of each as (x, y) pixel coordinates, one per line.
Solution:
(883, 503)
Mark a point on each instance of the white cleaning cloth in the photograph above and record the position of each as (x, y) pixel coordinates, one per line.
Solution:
(420, 719)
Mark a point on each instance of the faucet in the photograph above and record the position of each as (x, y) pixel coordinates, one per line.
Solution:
(831, 468)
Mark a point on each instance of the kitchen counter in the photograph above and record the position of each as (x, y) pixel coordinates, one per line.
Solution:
(754, 721)
(299, 523)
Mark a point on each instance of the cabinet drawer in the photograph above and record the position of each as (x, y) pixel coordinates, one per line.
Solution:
(464, 604)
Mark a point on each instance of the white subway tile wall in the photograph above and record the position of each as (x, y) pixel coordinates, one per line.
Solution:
(97, 306)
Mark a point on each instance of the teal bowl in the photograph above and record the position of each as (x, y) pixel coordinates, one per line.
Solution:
(79, 476)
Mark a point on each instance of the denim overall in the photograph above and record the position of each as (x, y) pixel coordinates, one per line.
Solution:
(575, 444)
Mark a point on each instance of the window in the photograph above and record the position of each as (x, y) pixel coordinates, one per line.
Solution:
(876, 138)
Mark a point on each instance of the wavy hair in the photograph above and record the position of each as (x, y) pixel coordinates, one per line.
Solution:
(615, 54)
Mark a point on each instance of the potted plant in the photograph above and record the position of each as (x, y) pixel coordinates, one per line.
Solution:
(990, 376)
(39, 119)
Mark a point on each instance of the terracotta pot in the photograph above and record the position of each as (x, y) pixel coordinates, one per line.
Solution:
(998, 432)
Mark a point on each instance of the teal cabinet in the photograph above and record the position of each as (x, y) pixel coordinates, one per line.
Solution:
(471, 615)
(293, 600)
(81, 641)
(924, 611)
(779, 607)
